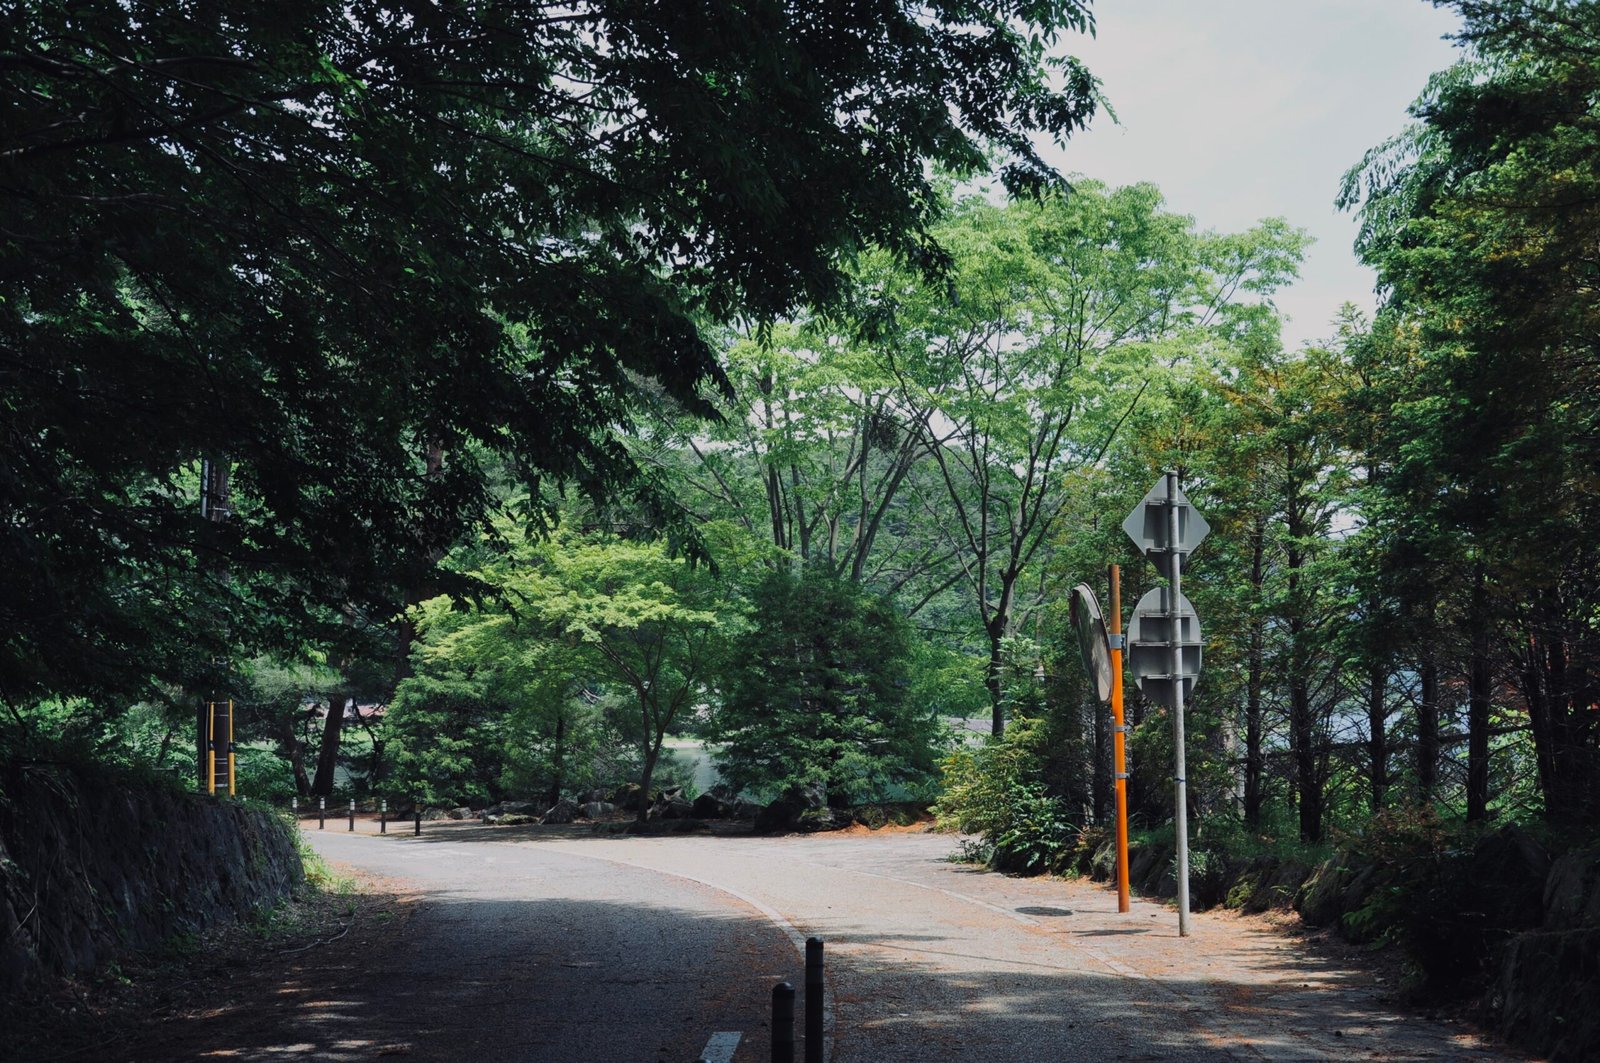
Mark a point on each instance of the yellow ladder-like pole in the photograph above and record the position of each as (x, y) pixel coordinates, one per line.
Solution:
(230, 747)
(211, 747)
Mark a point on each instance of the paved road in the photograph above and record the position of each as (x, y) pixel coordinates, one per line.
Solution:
(562, 946)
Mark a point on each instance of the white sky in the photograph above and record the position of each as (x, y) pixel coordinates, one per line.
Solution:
(1245, 109)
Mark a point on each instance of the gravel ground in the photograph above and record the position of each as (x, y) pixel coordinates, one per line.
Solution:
(928, 960)
(484, 944)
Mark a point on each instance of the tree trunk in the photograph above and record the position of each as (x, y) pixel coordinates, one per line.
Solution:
(216, 505)
(996, 687)
(1302, 724)
(1428, 729)
(1377, 732)
(556, 781)
(1254, 760)
(1307, 781)
(295, 749)
(328, 754)
(1478, 695)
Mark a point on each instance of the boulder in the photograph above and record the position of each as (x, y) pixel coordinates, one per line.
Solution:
(673, 807)
(711, 805)
(459, 813)
(815, 820)
(596, 809)
(1550, 980)
(784, 813)
(872, 817)
(562, 811)
(627, 796)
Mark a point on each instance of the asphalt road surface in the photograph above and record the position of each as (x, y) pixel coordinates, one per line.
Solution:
(532, 944)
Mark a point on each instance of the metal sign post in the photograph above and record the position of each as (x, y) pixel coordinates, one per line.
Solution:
(1164, 638)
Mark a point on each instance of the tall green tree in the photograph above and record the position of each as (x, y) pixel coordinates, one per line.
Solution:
(1025, 371)
(818, 692)
(648, 624)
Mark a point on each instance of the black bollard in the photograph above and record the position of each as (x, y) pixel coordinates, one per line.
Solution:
(783, 1023)
(322, 813)
(383, 816)
(352, 813)
(418, 824)
(813, 1000)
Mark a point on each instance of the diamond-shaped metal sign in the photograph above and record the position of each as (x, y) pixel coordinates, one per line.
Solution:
(1148, 525)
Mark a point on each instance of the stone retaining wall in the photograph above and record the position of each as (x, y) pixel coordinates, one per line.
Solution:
(93, 864)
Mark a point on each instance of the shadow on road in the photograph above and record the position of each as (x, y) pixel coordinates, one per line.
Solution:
(465, 977)
(482, 980)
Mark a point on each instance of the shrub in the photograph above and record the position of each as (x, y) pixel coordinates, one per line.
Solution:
(994, 791)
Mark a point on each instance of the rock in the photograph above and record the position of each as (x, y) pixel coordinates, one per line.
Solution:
(521, 808)
(459, 813)
(516, 819)
(711, 805)
(145, 864)
(1548, 986)
(744, 808)
(627, 796)
(596, 809)
(1318, 902)
(490, 818)
(1509, 873)
(431, 814)
(595, 796)
(784, 813)
(815, 820)
(1572, 892)
(562, 811)
(872, 817)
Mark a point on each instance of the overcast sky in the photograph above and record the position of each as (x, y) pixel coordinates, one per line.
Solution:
(1245, 109)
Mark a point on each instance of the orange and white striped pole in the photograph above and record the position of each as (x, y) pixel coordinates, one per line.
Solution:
(1119, 748)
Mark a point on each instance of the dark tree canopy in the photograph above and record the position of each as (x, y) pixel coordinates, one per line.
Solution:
(1482, 221)
(346, 250)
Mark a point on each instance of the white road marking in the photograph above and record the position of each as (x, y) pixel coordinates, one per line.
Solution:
(776, 917)
(720, 1048)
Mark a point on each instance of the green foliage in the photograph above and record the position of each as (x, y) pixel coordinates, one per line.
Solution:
(262, 775)
(817, 692)
(995, 790)
(1478, 219)
(568, 678)
(379, 244)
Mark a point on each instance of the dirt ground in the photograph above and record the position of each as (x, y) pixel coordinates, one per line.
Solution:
(144, 1007)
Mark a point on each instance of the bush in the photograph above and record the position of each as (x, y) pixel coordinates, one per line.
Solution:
(994, 791)
(817, 693)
